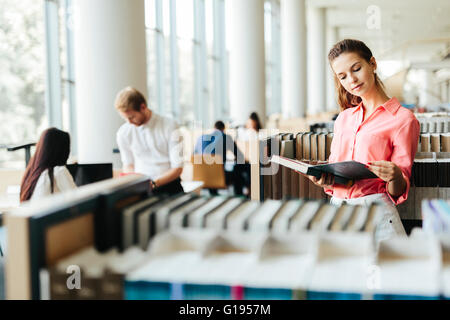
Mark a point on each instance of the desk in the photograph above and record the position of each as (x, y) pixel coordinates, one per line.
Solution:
(9, 202)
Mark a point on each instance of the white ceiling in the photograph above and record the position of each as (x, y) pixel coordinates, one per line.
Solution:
(410, 30)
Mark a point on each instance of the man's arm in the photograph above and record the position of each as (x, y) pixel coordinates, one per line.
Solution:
(126, 155)
(169, 176)
(175, 156)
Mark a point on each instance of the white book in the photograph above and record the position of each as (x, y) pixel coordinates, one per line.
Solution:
(281, 222)
(173, 256)
(236, 220)
(162, 215)
(126, 261)
(342, 217)
(342, 263)
(186, 239)
(374, 216)
(260, 220)
(284, 262)
(228, 256)
(356, 222)
(178, 218)
(302, 218)
(232, 241)
(146, 222)
(175, 267)
(128, 215)
(409, 266)
(197, 219)
(323, 218)
(217, 218)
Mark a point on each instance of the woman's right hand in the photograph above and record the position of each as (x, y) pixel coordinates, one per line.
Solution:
(326, 180)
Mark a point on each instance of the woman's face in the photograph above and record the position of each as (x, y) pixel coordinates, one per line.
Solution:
(355, 74)
(251, 124)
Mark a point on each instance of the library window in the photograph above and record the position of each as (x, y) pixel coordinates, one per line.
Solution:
(186, 59)
(22, 84)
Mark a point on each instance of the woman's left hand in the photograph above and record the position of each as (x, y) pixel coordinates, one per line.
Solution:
(385, 170)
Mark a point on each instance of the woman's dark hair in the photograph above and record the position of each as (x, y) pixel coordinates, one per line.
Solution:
(52, 149)
(345, 98)
(254, 117)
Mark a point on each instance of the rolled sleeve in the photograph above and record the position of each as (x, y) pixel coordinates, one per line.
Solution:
(401, 198)
(126, 154)
(405, 147)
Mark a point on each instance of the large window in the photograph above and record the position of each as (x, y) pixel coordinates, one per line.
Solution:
(272, 30)
(22, 81)
(186, 59)
(36, 86)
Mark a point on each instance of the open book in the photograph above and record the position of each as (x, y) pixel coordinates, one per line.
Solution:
(345, 172)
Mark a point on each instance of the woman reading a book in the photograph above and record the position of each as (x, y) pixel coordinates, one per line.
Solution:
(46, 172)
(373, 129)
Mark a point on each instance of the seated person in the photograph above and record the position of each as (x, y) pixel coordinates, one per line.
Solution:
(46, 172)
(149, 144)
(218, 143)
(251, 129)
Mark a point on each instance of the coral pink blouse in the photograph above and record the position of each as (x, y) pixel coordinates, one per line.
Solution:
(390, 133)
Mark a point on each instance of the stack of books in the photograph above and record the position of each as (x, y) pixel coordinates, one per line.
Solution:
(194, 263)
(434, 142)
(300, 266)
(282, 182)
(143, 220)
(430, 179)
(434, 122)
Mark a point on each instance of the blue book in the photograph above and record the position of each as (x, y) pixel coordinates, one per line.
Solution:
(147, 290)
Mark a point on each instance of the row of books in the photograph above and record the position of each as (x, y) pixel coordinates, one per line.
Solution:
(143, 220)
(428, 124)
(280, 182)
(207, 264)
(438, 124)
(430, 172)
(322, 127)
(434, 142)
(436, 216)
(430, 179)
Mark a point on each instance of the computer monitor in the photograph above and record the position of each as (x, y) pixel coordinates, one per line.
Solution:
(90, 172)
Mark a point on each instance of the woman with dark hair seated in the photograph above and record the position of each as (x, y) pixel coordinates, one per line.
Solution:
(253, 122)
(46, 172)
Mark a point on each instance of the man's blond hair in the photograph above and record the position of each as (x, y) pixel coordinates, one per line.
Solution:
(129, 99)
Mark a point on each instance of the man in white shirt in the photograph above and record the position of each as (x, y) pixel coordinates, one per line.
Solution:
(149, 144)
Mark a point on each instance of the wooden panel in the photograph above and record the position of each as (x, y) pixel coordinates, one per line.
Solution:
(17, 272)
(209, 169)
(68, 237)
